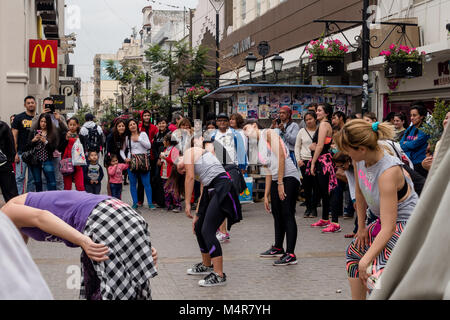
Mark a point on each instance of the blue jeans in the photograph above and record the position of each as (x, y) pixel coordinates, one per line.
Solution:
(21, 170)
(145, 178)
(49, 172)
(116, 190)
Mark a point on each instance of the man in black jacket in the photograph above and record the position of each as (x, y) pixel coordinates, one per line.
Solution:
(7, 156)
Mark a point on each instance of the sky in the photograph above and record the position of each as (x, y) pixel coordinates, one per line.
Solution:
(102, 25)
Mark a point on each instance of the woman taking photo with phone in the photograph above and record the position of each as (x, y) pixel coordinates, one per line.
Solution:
(218, 201)
(43, 142)
(386, 188)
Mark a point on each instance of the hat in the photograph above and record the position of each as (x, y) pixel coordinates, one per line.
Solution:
(287, 109)
(222, 116)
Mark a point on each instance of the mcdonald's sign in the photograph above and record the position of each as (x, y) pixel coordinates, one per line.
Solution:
(43, 54)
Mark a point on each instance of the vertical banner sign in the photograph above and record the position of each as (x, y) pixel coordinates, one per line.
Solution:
(43, 54)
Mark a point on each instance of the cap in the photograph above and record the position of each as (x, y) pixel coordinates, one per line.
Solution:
(287, 109)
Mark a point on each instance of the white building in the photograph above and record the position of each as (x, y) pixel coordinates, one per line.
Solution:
(21, 21)
(87, 93)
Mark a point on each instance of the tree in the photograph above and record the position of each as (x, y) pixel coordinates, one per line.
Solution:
(81, 112)
(181, 64)
(130, 74)
(434, 125)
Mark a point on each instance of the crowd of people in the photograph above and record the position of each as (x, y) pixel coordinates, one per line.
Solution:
(351, 166)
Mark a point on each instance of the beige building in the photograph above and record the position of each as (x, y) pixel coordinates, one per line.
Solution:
(245, 11)
(21, 21)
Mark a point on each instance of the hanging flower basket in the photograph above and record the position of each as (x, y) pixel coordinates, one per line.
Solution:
(327, 57)
(196, 92)
(402, 62)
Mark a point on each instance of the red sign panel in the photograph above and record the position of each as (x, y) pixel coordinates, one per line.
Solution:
(43, 54)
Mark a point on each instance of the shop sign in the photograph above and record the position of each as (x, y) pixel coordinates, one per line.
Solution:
(241, 47)
(443, 73)
(43, 54)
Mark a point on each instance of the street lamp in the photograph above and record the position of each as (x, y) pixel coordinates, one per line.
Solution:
(217, 5)
(181, 92)
(277, 65)
(263, 50)
(250, 63)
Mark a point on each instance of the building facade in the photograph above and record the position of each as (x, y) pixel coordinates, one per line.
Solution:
(288, 26)
(21, 21)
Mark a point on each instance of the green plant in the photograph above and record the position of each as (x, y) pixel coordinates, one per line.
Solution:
(434, 124)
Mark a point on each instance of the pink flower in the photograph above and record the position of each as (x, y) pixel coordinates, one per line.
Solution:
(423, 53)
(392, 46)
(322, 47)
(311, 55)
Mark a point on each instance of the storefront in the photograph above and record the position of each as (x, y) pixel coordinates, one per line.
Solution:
(399, 94)
(263, 101)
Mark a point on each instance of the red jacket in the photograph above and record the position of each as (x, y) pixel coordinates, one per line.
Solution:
(151, 132)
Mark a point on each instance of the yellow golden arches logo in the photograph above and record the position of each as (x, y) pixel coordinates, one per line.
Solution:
(43, 53)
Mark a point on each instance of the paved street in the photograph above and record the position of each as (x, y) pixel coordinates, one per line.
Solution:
(320, 273)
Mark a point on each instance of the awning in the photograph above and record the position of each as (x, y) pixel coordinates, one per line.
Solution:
(226, 92)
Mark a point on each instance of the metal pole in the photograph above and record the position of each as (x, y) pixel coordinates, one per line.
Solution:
(264, 69)
(217, 49)
(365, 51)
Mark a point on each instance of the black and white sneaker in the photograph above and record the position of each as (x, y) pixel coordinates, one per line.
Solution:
(200, 269)
(286, 260)
(213, 279)
(272, 252)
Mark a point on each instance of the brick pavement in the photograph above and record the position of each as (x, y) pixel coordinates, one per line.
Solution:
(320, 273)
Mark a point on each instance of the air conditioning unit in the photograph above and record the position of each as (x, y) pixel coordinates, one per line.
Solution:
(62, 70)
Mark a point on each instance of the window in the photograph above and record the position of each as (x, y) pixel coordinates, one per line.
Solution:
(243, 10)
(258, 8)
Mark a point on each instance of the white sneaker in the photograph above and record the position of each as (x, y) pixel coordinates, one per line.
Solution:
(222, 236)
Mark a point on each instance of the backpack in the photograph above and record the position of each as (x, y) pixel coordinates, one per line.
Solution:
(94, 140)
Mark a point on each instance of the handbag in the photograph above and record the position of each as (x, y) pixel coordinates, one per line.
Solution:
(66, 166)
(78, 156)
(29, 157)
(140, 162)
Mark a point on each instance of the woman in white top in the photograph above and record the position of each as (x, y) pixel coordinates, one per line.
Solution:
(137, 143)
(303, 156)
(282, 184)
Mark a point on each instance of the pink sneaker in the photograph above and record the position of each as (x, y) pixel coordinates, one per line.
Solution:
(333, 227)
(321, 223)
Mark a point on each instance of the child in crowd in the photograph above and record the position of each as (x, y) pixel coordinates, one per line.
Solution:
(115, 170)
(66, 148)
(166, 161)
(93, 174)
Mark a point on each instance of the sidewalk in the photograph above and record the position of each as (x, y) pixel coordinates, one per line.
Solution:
(319, 274)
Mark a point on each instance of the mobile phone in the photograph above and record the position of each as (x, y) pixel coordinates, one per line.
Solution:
(39, 131)
(51, 107)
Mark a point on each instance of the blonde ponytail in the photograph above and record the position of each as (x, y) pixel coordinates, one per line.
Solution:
(357, 133)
